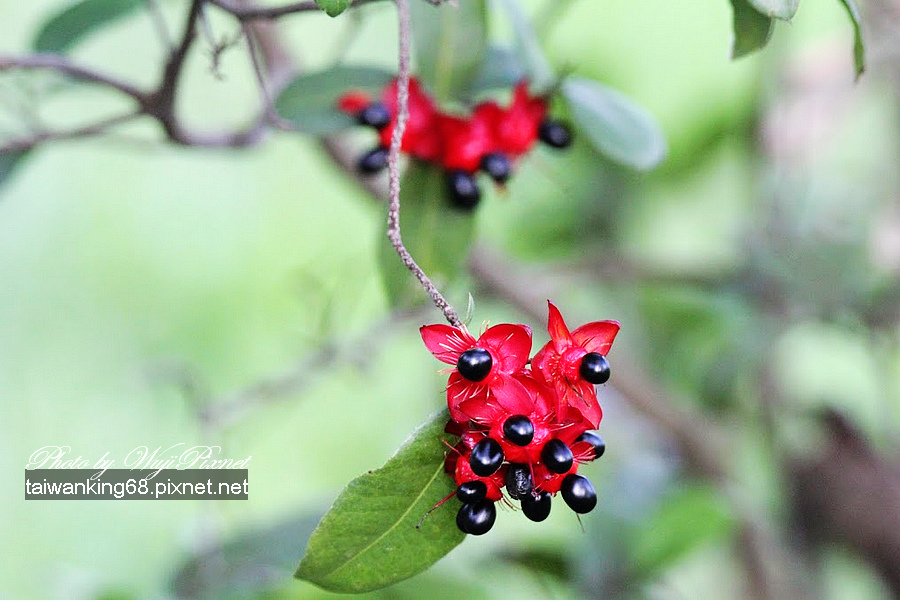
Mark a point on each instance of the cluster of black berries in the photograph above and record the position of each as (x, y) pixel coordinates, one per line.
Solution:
(491, 139)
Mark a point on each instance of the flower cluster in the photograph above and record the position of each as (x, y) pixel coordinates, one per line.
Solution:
(491, 139)
(523, 425)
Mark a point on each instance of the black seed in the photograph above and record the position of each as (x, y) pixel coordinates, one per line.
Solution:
(476, 518)
(374, 115)
(373, 161)
(594, 440)
(578, 493)
(537, 509)
(497, 165)
(463, 190)
(594, 368)
(519, 430)
(555, 133)
(557, 456)
(474, 364)
(471, 491)
(518, 481)
(486, 457)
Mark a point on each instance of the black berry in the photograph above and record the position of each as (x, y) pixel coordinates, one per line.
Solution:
(557, 457)
(374, 115)
(519, 430)
(594, 368)
(486, 457)
(463, 190)
(476, 518)
(578, 493)
(518, 481)
(497, 165)
(555, 133)
(536, 508)
(594, 440)
(471, 491)
(474, 364)
(373, 161)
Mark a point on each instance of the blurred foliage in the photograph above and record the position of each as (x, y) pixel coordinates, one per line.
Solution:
(148, 290)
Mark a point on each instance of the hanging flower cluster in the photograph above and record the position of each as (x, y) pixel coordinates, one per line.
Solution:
(523, 425)
(491, 139)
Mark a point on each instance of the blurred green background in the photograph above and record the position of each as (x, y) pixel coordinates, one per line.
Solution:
(153, 295)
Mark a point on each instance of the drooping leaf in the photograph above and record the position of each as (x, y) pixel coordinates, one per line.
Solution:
(752, 29)
(67, 28)
(616, 126)
(540, 74)
(450, 42)
(9, 161)
(778, 9)
(859, 48)
(333, 8)
(245, 566)
(309, 102)
(437, 235)
(369, 540)
(693, 516)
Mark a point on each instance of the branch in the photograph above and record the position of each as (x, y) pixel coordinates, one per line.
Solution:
(63, 65)
(26, 143)
(257, 13)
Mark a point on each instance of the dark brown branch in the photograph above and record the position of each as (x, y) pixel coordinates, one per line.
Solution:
(61, 64)
(93, 129)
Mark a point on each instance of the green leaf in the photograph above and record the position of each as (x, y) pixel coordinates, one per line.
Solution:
(779, 9)
(67, 28)
(752, 29)
(309, 102)
(501, 69)
(450, 42)
(437, 235)
(9, 161)
(333, 8)
(693, 516)
(540, 74)
(615, 126)
(859, 49)
(368, 540)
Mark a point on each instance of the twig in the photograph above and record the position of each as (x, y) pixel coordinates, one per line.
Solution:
(26, 143)
(256, 13)
(393, 230)
(159, 23)
(65, 66)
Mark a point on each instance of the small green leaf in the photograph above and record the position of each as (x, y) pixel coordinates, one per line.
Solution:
(693, 516)
(859, 48)
(310, 101)
(501, 69)
(615, 126)
(540, 74)
(368, 540)
(9, 161)
(65, 29)
(436, 234)
(450, 42)
(752, 29)
(333, 8)
(778, 9)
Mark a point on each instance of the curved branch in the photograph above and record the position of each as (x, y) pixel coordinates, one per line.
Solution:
(61, 64)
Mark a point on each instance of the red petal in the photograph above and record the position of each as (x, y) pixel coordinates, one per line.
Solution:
(353, 102)
(559, 333)
(597, 336)
(446, 342)
(512, 395)
(511, 345)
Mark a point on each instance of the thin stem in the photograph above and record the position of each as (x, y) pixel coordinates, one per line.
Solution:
(254, 13)
(26, 143)
(159, 23)
(65, 66)
(393, 219)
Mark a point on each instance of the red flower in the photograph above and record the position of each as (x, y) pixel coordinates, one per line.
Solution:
(559, 364)
(488, 365)
(517, 126)
(420, 138)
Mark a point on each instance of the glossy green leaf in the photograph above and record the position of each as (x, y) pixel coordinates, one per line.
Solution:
(693, 516)
(615, 126)
(369, 540)
(437, 235)
(8, 163)
(450, 41)
(778, 9)
(752, 29)
(540, 74)
(65, 29)
(309, 102)
(859, 48)
(333, 7)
